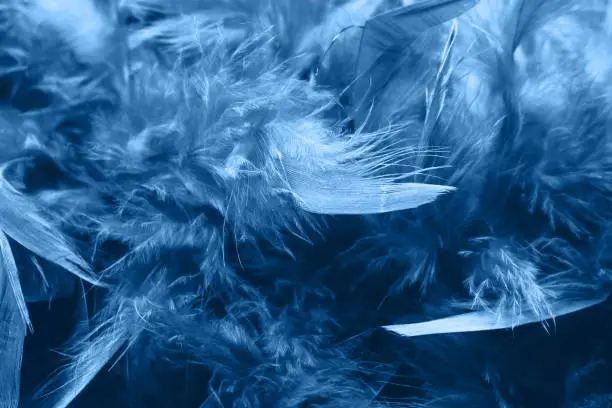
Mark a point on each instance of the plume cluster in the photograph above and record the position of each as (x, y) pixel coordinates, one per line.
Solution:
(305, 203)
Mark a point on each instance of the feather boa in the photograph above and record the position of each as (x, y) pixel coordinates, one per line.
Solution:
(305, 203)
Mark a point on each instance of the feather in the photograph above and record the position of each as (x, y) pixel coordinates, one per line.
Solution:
(12, 332)
(216, 162)
(352, 14)
(389, 32)
(79, 22)
(190, 36)
(9, 268)
(346, 194)
(486, 321)
(21, 220)
(117, 327)
(92, 354)
(350, 176)
(506, 280)
(527, 16)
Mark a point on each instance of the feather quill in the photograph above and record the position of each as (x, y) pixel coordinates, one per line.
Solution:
(437, 97)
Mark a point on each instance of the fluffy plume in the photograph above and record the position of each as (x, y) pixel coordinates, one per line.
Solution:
(291, 203)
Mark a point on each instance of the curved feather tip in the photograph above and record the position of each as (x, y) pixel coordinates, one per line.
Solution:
(486, 321)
